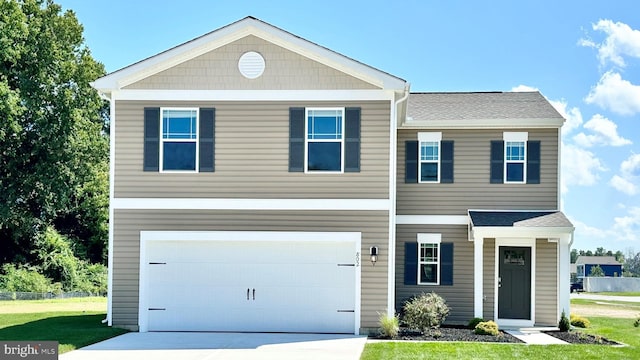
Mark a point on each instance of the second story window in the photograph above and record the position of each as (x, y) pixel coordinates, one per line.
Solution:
(515, 162)
(429, 156)
(324, 140)
(515, 159)
(178, 148)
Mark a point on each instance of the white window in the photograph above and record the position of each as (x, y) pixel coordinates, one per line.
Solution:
(515, 157)
(324, 140)
(179, 140)
(429, 157)
(429, 259)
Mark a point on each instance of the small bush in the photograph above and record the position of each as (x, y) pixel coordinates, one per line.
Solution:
(487, 328)
(473, 322)
(637, 322)
(23, 279)
(389, 325)
(579, 321)
(564, 323)
(425, 311)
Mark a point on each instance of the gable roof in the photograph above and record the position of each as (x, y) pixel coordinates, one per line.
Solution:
(480, 110)
(599, 260)
(237, 30)
(519, 218)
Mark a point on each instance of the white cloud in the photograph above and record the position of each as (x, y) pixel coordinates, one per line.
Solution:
(623, 185)
(615, 94)
(631, 166)
(573, 115)
(524, 88)
(605, 132)
(621, 41)
(627, 228)
(579, 167)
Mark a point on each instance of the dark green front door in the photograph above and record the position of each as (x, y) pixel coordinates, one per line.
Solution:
(514, 282)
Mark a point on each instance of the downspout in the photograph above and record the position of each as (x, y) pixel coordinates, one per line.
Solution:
(393, 169)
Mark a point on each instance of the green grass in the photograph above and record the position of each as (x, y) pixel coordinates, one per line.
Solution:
(620, 330)
(72, 329)
(637, 293)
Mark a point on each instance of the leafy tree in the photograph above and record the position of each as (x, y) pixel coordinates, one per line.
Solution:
(599, 252)
(596, 271)
(619, 256)
(52, 142)
(632, 263)
(574, 256)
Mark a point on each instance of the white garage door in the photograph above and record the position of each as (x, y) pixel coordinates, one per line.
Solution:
(261, 286)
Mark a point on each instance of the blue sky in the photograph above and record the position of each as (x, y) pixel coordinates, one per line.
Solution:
(584, 56)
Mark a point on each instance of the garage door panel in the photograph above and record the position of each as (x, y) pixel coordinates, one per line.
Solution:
(299, 287)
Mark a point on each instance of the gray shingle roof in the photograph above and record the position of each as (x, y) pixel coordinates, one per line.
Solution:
(520, 218)
(479, 106)
(599, 260)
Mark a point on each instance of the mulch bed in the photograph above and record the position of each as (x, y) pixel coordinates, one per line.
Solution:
(452, 333)
(576, 337)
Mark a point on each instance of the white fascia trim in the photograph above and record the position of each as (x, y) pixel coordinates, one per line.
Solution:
(255, 95)
(250, 204)
(432, 219)
(483, 124)
(112, 172)
(520, 232)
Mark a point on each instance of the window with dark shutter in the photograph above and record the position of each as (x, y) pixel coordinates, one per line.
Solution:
(446, 264)
(151, 161)
(296, 139)
(207, 139)
(497, 162)
(533, 162)
(411, 161)
(352, 140)
(411, 262)
(446, 161)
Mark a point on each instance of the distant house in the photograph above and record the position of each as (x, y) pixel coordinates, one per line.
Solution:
(608, 264)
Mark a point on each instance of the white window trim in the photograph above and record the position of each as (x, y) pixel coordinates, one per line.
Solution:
(429, 239)
(196, 141)
(508, 137)
(306, 141)
(429, 137)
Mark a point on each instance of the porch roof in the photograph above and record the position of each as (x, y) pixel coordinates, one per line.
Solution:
(529, 219)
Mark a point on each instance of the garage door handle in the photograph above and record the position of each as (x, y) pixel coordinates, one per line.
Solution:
(254, 294)
(247, 293)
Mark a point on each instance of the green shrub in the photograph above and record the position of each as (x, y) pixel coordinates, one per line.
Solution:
(487, 328)
(389, 325)
(23, 279)
(473, 322)
(637, 322)
(579, 321)
(564, 323)
(425, 311)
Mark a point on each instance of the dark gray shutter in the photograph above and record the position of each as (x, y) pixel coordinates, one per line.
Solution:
(533, 162)
(411, 161)
(446, 264)
(446, 161)
(411, 263)
(296, 139)
(352, 140)
(497, 161)
(151, 150)
(207, 139)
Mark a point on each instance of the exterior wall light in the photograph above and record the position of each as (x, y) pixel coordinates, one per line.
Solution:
(373, 252)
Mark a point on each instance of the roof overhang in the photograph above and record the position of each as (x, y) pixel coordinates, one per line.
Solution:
(551, 224)
(553, 123)
(238, 30)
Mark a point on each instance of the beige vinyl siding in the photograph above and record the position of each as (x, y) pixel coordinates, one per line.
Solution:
(129, 223)
(546, 283)
(459, 296)
(489, 278)
(218, 70)
(471, 188)
(252, 155)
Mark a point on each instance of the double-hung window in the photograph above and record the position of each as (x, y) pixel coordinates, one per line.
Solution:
(429, 157)
(324, 140)
(429, 259)
(515, 163)
(179, 139)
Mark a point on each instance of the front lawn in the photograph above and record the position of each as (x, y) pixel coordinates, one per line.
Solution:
(73, 329)
(621, 330)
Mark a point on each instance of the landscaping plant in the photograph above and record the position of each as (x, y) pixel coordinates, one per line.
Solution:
(487, 328)
(579, 321)
(425, 311)
(474, 322)
(637, 322)
(564, 323)
(389, 325)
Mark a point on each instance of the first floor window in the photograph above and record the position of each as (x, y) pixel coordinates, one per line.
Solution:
(429, 259)
(179, 150)
(324, 139)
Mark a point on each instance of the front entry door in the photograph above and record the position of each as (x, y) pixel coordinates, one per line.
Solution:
(514, 283)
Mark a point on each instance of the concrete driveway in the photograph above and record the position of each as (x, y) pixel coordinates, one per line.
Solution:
(196, 346)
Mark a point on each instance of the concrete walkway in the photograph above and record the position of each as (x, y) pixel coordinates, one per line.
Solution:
(536, 337)
(210, 346)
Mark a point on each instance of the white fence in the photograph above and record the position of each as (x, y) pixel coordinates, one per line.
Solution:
(611, 284)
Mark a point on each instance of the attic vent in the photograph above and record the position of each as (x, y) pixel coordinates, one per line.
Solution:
(251, 65)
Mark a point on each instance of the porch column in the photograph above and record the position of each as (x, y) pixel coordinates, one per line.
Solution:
(478, 295)
(564, 284)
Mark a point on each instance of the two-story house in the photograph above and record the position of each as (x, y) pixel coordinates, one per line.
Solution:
(261, 182)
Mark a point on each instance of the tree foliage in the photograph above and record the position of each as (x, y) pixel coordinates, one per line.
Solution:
(596, 271)
(53, 150)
